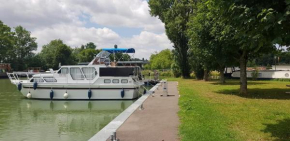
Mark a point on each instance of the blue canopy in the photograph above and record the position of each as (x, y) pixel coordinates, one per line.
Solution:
(119, 50)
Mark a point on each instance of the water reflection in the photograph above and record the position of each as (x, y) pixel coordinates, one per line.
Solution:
(23, 119)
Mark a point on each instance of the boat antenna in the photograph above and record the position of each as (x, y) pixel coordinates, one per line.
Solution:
(115, 46)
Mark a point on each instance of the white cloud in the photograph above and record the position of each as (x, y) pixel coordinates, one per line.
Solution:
(145, 43)
(36, 13)
(76, 36)
(65, 19)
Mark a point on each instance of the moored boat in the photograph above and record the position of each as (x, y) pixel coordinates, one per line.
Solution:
(100, 79)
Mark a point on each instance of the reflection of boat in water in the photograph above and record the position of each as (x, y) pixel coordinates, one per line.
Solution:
(107, 106)
(59, 120)
(100, 79)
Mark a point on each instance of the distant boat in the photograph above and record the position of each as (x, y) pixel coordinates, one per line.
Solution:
(100, 79)
(281, 72)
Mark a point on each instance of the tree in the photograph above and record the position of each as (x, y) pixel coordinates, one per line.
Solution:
(57, 52)
(175, 15)
(161, 60)
(120, 57)
(257, 26)
(209, 50)
(90, 45)
(87, 55)
(6, 43)
(23, 47)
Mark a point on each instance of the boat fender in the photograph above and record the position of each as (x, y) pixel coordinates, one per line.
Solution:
(34, 85)
(19, 86)
(122, 93)
(144, 92)
(65, 95)
(51, 94)
(89, 93)
(29, 95)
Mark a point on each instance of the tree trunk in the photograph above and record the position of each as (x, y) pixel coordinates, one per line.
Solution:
(205, 75)
(185, 68)
(243, 74)
(222, 75)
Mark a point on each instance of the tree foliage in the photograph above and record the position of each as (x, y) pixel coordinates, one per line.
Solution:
(175, 15)
(90, 45)
(87, 55)
(161, 60)
(23, 47)
(57, 52)
(6, 43)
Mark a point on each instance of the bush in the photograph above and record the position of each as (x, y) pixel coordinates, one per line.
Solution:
(165, 73)
(146, 72)
(175, 70)
(214, 74)
(198, 72)
(255, 73)
(192, 75)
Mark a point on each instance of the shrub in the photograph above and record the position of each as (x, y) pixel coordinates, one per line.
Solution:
(255, 73)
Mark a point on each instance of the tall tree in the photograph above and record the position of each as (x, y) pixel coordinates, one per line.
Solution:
(161, 60)
(87, 55)
(6, 43)
(23, 47)
(209, 48)
(90, 45)
(175, 15)
(57, 52)
(257, 26)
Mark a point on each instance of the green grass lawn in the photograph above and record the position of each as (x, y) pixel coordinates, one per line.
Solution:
(210, 111)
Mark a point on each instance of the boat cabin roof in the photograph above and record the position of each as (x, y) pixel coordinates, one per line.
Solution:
(119, 50)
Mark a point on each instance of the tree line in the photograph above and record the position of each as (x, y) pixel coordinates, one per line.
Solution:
(18, 48)
(214, 34)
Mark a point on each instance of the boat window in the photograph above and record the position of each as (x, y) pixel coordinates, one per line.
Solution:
(124, 81)
(107, 81)
(89, 72)
(37, 79)
(49, 79)
(117, 72)
(63, 71)
(115, 80)
(76, 74)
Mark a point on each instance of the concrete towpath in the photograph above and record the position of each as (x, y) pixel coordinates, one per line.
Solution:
(158, 121)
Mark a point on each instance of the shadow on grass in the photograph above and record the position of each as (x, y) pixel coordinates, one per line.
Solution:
(237, 83)
(280, 130)
(255, 93)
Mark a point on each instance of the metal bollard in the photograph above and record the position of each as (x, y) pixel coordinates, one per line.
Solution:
(165, 90)
(112, 137)
(141, 107)
(115, 136)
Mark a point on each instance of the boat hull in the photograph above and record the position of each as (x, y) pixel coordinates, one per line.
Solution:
(83, 93)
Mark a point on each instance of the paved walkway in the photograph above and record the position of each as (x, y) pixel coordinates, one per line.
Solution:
(158, 121)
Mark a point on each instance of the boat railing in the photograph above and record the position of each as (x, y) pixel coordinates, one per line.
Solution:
(14, 77)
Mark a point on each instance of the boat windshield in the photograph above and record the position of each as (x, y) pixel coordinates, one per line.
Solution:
(101, 58)
(103, 54)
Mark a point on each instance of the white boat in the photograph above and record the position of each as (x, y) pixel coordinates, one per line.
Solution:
(266, 74)
(100, 79)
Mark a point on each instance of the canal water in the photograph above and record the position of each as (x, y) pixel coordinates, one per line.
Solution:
(23, 119)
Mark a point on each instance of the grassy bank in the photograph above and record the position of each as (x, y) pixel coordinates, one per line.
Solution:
(210, 111)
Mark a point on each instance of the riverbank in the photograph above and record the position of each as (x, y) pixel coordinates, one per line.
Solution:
(210, 111)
